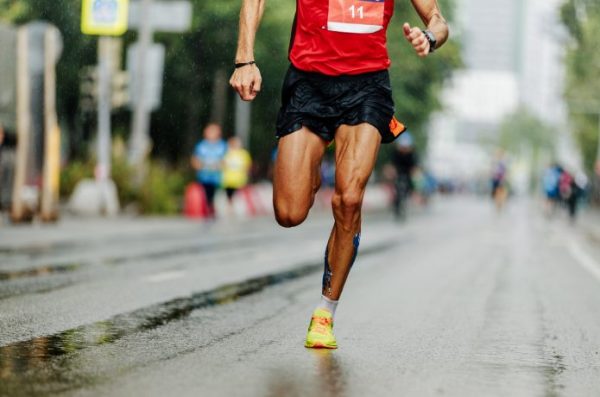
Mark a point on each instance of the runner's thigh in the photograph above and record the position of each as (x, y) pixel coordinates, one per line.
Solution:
(356, 149)
(297, 168)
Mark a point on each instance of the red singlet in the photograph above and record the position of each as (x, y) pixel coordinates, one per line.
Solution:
(336, 37)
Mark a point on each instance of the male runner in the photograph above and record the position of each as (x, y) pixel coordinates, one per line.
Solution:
(337, 88)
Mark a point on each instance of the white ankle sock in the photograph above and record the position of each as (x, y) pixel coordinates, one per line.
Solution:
(328, 304)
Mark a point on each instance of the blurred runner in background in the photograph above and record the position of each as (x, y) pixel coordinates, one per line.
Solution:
(236, 168)
(499, 181)
(550, 181)
(405, 162)
(208, 163)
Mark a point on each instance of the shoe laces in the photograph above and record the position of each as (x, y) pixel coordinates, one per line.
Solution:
(321, 324)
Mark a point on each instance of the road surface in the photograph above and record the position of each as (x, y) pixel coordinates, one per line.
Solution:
(459, 301)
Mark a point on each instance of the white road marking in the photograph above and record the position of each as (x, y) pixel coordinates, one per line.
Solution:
(164, 276)
(584, 259)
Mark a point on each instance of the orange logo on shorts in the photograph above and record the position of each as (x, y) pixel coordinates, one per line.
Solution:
(396, 127)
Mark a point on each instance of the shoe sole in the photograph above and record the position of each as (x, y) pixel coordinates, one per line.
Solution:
(318, 345)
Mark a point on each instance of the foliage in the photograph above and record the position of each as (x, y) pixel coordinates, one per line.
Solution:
(582, 19)
(527, 137)
(194, 58)
(522, 131)
(161, 191)
(72, 173)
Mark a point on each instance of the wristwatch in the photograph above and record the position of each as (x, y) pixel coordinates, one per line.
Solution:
(431, 39)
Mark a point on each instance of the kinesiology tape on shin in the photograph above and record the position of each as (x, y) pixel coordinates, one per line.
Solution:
(327, 273)
(356, 243)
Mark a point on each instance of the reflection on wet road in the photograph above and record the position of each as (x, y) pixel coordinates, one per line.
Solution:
(460, 301)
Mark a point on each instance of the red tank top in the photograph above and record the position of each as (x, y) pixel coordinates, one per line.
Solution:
(336, 37)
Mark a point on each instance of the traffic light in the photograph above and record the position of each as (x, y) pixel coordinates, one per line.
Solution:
(88, 89)
(120, 89)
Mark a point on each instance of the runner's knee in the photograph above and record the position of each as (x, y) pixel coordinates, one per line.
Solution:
(289, 215)
(347, 203)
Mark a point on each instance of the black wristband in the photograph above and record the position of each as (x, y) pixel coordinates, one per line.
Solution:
(242, 64)
(431, 39)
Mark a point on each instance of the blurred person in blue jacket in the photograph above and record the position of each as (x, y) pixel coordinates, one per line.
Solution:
(207, 160)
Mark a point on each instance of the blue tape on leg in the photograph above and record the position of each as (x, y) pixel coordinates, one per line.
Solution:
(356, 243)
(327, 272)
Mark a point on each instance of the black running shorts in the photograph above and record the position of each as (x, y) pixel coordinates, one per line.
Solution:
(323, 103)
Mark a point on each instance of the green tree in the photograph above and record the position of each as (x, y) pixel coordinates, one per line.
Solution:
(527, 137)
(582, 19)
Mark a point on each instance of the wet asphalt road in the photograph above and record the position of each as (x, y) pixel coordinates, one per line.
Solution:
(460, 301)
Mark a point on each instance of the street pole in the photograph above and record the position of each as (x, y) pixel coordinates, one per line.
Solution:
(598, 149)
(242, 120)
(103, 166)
(19, 211)
(140, 142)
(51, 167)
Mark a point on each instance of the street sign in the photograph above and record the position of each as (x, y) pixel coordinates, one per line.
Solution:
(171, 16)
(8, 72)
(153, 75)
(104, 17)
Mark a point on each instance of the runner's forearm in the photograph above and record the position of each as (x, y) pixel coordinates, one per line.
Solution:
(432, 17)
(250, 16)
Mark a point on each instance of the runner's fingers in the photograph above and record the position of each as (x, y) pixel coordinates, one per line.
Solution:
(423, 47)
(257, 85)
(414, 34)
(407, 29)
(246, 90)
(418, 42)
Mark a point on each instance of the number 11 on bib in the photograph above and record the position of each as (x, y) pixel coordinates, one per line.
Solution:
(356, 16)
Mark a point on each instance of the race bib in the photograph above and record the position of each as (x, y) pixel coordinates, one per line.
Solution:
(356, 16)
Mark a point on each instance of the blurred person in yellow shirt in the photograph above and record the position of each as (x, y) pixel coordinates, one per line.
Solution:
(236, 167)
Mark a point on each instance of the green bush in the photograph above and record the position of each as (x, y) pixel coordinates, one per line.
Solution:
(71, 174)
(122, 174)
(161, 191)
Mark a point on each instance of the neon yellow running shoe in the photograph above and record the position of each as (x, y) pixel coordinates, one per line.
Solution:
(320, 331)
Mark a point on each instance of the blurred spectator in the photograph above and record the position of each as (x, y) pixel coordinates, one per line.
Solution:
(499, 181)
(236, 167)
(550, 180)
(208, 163)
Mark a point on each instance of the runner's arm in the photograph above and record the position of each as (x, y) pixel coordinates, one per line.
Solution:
(246, 80)
(431, 15)
(196, 163)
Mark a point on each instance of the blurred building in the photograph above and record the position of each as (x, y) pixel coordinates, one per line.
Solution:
(513, 56)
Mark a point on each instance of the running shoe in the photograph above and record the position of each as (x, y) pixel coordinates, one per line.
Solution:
(320, 331)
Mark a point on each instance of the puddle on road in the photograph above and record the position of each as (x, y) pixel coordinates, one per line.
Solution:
(39, 271)
(44, 365)
(18, 358)
(329, 378)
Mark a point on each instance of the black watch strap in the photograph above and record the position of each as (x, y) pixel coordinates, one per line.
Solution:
(242, 64)
(431, 39)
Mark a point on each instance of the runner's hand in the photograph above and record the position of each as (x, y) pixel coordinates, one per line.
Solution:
(417, 39)
(246, 81)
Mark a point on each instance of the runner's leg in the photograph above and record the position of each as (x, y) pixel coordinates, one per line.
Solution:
(355, 155)
(297, 176)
